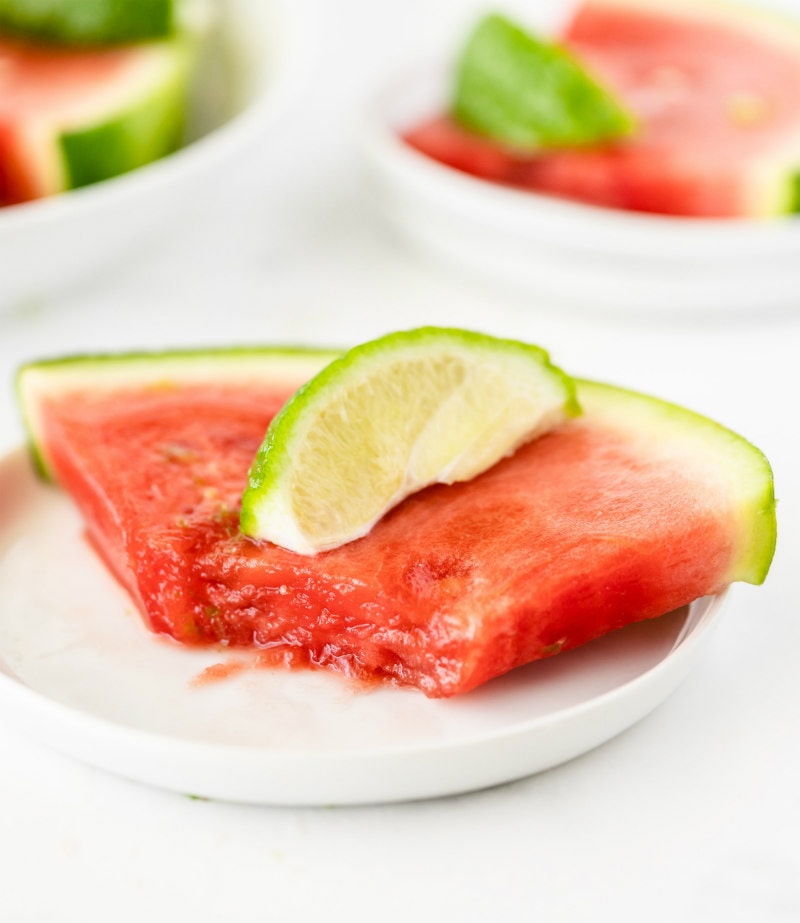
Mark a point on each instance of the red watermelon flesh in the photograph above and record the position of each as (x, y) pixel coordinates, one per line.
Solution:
(613, 518)
(714, 93)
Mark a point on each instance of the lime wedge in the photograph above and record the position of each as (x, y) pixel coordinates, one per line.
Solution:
(425, 406)
(529, 93)
(93, 22)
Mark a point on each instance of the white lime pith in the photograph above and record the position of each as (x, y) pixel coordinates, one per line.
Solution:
(389, 418)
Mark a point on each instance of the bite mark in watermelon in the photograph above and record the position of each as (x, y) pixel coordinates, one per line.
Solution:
(70, 117)
(630, 511)
(713, 89)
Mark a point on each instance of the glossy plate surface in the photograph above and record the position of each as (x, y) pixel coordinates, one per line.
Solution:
(80, 673)
(598, 258)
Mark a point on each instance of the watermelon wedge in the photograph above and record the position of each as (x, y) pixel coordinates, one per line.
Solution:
(713, 91)
(627, 512)
(70, 117)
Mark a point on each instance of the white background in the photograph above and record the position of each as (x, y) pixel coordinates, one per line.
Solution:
(691, 815)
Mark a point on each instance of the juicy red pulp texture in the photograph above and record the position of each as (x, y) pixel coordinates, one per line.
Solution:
(573, 536)
(709, 100)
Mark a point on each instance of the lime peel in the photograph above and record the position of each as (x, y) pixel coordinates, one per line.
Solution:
(390, 417)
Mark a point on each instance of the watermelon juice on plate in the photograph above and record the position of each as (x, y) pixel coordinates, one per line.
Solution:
(686, 210)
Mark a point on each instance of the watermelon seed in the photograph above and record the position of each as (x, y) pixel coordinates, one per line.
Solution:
(177, 453)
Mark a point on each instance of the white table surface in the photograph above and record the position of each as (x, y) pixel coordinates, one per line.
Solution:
(691, 815)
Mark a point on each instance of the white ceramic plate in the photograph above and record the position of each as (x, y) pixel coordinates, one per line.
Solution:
(256, 59)
(595, 257)
(80, 673)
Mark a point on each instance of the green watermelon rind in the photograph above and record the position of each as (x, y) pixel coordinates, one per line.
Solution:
(691, 442)
(89, 22)
(775, 184)
(36, 381)
(793, 195)
(146, 129)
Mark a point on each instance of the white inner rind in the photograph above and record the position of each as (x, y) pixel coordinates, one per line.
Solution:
(736, 478)
(39, 383)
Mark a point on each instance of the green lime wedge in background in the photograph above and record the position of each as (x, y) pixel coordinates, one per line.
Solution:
(389, 417)
(529, 93)
(92, 22)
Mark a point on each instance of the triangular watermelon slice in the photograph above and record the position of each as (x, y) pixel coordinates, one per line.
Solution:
(713, 89)
(71, 117)
(625, 513)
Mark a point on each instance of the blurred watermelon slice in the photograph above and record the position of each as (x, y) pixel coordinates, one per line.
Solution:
(71, 117)
(713, 89)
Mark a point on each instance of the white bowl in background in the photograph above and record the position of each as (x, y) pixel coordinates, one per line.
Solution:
(257, 56)
(596, 257)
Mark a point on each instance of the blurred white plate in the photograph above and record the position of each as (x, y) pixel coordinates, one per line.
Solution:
(596, 257)
(257, 57)
(80, 673)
